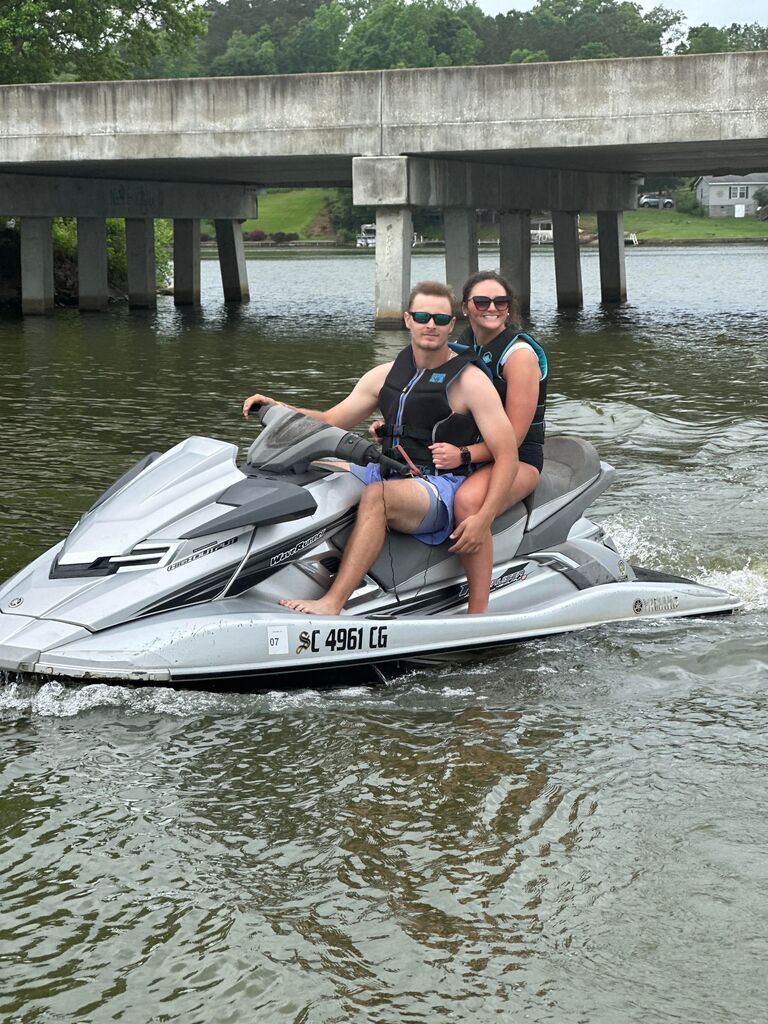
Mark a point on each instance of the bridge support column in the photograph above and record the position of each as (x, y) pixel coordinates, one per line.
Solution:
(613, 279)
(234, 272)
(140, 250)
(460, 226)
(565, 228)
(186, 262)
(394, 237)
(515, 254)
(92, 286)
(36, 265)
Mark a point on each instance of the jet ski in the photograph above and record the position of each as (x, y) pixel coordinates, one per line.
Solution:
(174, 575)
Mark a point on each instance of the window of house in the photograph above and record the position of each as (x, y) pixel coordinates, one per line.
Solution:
(738, 192)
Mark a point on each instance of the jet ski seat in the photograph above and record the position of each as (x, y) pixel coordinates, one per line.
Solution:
(571, 478)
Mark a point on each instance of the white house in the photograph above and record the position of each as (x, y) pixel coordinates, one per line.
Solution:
(730, 195)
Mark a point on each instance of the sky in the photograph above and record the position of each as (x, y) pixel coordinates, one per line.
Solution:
(697, 12)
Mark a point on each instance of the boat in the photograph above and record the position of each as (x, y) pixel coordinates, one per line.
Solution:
(366, 237)
(173, 576)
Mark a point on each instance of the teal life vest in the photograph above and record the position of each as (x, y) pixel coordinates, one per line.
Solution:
(491, 358)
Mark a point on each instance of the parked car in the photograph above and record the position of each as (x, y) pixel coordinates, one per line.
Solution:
(655, 199)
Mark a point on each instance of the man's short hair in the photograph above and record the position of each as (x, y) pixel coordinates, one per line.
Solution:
(434, 288)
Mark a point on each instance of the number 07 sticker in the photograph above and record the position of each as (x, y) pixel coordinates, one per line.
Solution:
(277, 640)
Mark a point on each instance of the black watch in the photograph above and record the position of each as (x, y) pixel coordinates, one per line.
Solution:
(466, 455)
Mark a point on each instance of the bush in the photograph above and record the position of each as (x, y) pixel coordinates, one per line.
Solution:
(686, 202)
(281, 237)
(255, 236)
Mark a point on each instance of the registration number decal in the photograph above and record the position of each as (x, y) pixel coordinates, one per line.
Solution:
(343, 638)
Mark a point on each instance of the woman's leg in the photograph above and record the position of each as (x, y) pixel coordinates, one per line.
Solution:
(468, 500)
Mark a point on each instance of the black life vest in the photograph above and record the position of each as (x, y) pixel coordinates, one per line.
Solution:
(491, 357)
(417, 413)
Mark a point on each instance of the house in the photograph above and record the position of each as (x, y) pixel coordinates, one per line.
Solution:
(730, 195)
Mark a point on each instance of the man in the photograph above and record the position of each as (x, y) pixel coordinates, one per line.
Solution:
(425, 394)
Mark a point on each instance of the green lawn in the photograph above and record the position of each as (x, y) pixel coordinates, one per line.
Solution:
(668, 225)
(298, 210)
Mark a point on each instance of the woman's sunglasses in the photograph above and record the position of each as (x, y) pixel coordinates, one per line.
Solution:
(483, 302)
(441, 319)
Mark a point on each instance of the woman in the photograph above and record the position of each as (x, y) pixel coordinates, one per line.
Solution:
(519, 369)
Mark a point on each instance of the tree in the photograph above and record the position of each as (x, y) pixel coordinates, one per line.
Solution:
(314, 43)
(247, 55)
(709, 39)
(272, 19)
(90, 39)
(706, 39)
(396, 34)
(582, 29)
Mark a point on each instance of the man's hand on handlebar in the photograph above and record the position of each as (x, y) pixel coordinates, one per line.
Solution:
(374, 429)
(258, 400)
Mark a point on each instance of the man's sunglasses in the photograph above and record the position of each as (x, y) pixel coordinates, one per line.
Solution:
(483, 302)
(441, 319)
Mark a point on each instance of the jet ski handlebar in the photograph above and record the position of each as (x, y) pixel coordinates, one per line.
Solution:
(348, 446)
(361, 451)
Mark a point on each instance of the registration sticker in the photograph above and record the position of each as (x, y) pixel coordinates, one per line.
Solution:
(277, 640)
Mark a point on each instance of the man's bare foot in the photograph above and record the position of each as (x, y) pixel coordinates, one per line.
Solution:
(323, 606)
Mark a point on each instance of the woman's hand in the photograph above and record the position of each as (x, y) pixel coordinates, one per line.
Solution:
(257, 400)
(445, 456)
(470, 534)
(374, 429)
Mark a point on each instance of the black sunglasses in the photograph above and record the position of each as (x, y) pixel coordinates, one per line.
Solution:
(441, 319)
(483, 302)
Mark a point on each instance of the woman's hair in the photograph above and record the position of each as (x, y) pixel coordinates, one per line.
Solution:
(434, 288)
(492, 275)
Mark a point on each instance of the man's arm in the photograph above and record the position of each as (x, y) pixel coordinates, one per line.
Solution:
(483, 402)
(357, 406)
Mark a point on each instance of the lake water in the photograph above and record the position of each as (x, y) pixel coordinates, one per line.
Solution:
(574, 831)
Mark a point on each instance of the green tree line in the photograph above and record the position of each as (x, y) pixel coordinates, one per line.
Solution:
(94, 39)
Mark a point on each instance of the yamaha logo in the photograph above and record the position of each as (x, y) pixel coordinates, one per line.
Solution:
(638, 607)
(16, 602)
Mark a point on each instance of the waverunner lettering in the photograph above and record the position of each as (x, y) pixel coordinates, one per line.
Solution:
(515, 576)
(655, 605)
(201, 554)
(282, 556)
(344, 638)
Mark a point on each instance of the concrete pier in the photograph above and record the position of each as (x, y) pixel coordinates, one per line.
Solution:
(37, 198)
(186, 261)
(613, 278)
(140, 250)
(394, 236)
(515, 254)
(460, 226)
(93, 289)
(36, 265)
(234, 273)
(565, 229)
(459, 188)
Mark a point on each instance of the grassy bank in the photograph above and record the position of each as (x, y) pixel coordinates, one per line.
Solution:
(671, 226)
(300, 211)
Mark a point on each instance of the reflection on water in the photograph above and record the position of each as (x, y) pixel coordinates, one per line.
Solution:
(570, 831)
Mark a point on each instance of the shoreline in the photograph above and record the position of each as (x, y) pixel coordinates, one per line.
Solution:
(262, 251)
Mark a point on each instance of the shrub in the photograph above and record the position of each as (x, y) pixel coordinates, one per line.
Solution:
(257, 235)
(686, 202)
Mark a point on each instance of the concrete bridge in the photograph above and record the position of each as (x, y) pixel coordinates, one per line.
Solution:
(566, 137)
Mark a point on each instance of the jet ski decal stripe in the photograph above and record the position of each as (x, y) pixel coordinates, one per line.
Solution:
(258, 567)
